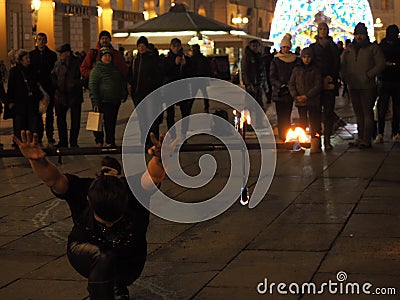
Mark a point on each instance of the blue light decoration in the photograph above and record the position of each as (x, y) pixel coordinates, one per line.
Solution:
(301, 17)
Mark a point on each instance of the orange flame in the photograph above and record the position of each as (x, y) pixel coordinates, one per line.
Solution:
(298, 134)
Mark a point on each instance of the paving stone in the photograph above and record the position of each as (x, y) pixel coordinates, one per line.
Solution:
(296, 237)
(44, 289)
(364, 255)
(316, 213)
(373, 226)
(251, 267)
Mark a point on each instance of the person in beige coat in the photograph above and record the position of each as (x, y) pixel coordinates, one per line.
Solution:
(360, 64)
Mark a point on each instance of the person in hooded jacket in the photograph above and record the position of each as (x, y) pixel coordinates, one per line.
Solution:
(280, 71)
(360, 64)
(107, 89)
(305, 86)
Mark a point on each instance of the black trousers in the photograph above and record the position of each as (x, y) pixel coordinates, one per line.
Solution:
(110, 111)
(105, 270)
(387, 91)
(26, 121)
(328, 111)
(283, 114)
(314, 115)
(186, 109)
(61, 112)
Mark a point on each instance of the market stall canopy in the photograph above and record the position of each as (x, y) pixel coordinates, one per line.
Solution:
(182, 23)
(179, 18)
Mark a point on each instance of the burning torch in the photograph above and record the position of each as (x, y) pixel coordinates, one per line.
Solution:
(240, 120)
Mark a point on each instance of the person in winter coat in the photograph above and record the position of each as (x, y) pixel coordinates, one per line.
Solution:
(42, 63)
(177, 66)
(390, 84)
(68, 95)
(280, 71)
(107, 89)
(327, 60)
(360, 64)
(305, 86)
(201, 68)
(145, 77)
(90, 61)
(254, 77)
(23, 95)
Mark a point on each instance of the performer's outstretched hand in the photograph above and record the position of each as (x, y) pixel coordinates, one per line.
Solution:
(29, 146)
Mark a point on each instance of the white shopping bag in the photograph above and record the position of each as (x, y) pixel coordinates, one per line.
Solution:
(94, 121)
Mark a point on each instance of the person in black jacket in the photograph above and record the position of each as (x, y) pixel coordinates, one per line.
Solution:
(42, 64)
(280, 71)
(107, 244)
(144, 77)
(201, 68)
(177, 66)
(327, 60)
(390, 86)
(23, 95)
(254, 77)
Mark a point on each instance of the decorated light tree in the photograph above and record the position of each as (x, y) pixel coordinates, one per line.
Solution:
(301, 17)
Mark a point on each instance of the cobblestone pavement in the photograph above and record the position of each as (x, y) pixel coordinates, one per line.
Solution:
(329, 219)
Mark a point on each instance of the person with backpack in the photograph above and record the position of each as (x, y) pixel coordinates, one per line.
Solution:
(94, 55)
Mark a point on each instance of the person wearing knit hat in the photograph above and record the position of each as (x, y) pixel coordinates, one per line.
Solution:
(287, 41)
(107, 90)
(144, 78)
(279, 74)
(390, 84)
(305, 86)
(142, 40)
(106, 34)
(360, 29)
(360, 65)
(93, 56)
(105, 50)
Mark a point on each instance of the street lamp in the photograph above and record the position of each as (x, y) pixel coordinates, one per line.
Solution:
(378, 23)
(238, 19)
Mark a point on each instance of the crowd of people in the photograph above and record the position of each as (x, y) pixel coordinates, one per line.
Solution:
(107, 244)
(108, 75)
(365, 70)
(368, 72)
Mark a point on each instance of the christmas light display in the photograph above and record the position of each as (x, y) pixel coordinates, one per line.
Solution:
(301, 17)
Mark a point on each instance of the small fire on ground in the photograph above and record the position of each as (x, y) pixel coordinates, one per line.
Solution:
(297, 135)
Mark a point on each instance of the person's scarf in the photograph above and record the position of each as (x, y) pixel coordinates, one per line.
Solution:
(286, 57)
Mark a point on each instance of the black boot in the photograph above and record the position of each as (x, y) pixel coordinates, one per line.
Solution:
(102, 290)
